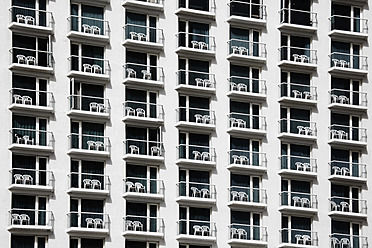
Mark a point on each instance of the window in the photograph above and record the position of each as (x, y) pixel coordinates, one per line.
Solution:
(33, 87)
(192, 219)
(139, 244)
(346, 126)
(297, 194)
(348, 232)
(195, 73)
(36, 50)
(142, 179)
(84, 57)
(31, 8)
(82, 211)
(30, 130)
(191, 34)
(85, 174)
(145, 214)
(195, 109)
(194, 4)
(347, 91)
(245, 188)
(244, 42)
(300, 226)
(346, 18)
(245, 152)
(244, 115)
(247, 221)
(347, 199)
(141, 103)
(346, 55)
(194, 183)
(141, 140)
(295, 46)
(245, 79)
(346, 163)
(142, 66)
(297, 121)
(296, 85)
(85, 18)
(295, 157)
(86, 243)
(18, 241)
(87, 97)
(192, 146)
(141, 27)
(33, 166)
(33, 207)
(82, 133)
(296, 12)
(247, 8)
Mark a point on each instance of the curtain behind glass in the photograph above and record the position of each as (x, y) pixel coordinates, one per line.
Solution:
(22, 241)
(202, 214)
(91, 243)
(240, 217)
(92, 12)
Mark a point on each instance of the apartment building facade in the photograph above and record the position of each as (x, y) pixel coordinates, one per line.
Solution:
(187, 123)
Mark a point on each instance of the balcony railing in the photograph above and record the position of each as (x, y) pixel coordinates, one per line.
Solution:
(248, 232)
(247, 121)
(348, 97)
(88, 220)
(143, 185)
(197, 228)
(298, 54)
(31, 57)
(31, 137)
(297, 199)
(349, 23)
(89, 181)
(89, 142)
(197, 190)
(298, 163)
(200, 42)
(247, 48)
(197, 153)
(248, 158)
(348, 61)
(93, 66)
(143, 147)
(143, 109)
(306, 128)
(250, 85)
(246, 9)
(247, 194)
(88, 25)
(196, 115)
(352, 241)
(146, 72)
(31, 177)
(297, 236)
(298, 17)
(348, 133)
(32, 97)
(195, 78)
(298, 91)
(348, 169)
(31, 16)
(203, 5)
(29, 218)
(143, 33)
(143, 224)
(89, 103)
(348, 205)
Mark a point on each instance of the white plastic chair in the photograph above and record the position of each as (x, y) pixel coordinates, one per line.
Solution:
(16, 219)
(241, 123)
(25, 219)
(129, 225)
(87, 68)
(235, 49)
(343, 99)
(96, 184)
(236, 159)
(305, 203)
(301, 130)
(97, 69)
(234, 233)
(27, 140)
(21, 18)
(234, 122)
(19, 139)
(199, 82)
(27, 100)
(344, 63)
(18, 179)
(139, 187)
(207, 83)
(93, 107)
(335, 242)
(195, 192)
(233, 86)
(86, 28)
(31, 60)
(27, 179)
(306, 239)
(296, 201)
(96, 30)
(345, 243)
(345, 171)
(296, 58)
(334, 206)
(304, 58)
(308, 131)
(242, 87)
(243, 51)
(342, 134)
(91, 145)
(155, 151)
(299, 239)
(205, 231)
(30, 20)
(205, 193)
(87, 183)
(197, 230)
(299, 166)
(140, 112)
(297, 94)
(18, 98)
(203, 45)
(335, 62)
(205, 156)
(131, 73)
(235, 196)
(345, 207)
(242, 234)
(336, 170)
(134, 149)
(130, 186)
(198, 118)
(243, 196)
(90, 222)
(244, 160)
(206, 119)
(130, 111)
(101, 108)
(146, 74)
(138, 226)
(307, 167)
(100, 146)
(133, 35)
(334, 134)
(197, 155)
(98, 223)
(334, 98)
(142, 37)
(307, 95)
(21, 59)
(195, 44)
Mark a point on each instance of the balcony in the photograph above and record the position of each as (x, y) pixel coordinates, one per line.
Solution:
(243, 198)
(304, 168)
(143, 76)
(196, 119)
(31, 141)
(246, 14)
(89, 146)
(196, 194)
(247, 162)
(246, 52)
(146, 6)
(243, 89)
(88, 108)
(85, 224)
(304, 204)
(27, 101)
(298, 59)
(31, 181)
(243, 235)
(143, 228)
(298, 21)
(297, 130)
(196, 45)
(143, 151)
(143, 114)
(30, 221)
(88, 30)
(204, 10)
(90, 69)
(347, 209)
(347, 101)
(88, 185)
(348, 65)
(196, 232)
(195, 156)
(348, 28)
(143, 189)
(142, 38)
(31, 21)
(30, 61)
(298, 238)
(352, 241)
(347, 172)
(292, 94)
(196, 83)
(246, 125)
(347, 137)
